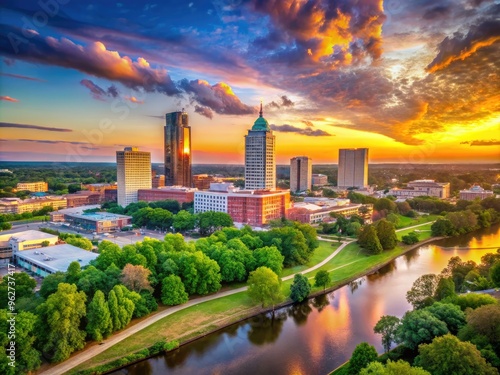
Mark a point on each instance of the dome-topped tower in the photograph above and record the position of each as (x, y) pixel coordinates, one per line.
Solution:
(261, 123)
(260, 156)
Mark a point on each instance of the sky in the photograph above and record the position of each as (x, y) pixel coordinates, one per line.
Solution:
(413, 81)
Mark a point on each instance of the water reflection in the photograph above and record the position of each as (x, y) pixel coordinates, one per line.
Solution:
(316, 336)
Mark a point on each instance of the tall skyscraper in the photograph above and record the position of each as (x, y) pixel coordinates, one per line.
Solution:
(353, 168)
(260, 156)
(177, 150)
(133, 172)
(300, 174)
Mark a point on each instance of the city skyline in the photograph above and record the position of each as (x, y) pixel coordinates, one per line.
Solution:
(415, 82)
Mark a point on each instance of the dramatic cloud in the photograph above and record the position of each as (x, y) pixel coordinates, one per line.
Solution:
(34, 127)
(92, 59)
(45, 141)
(219, 97)
(19, 76)
(316, 29)
(8, 99)
(285, 103)
(204, 111)
(308, 123)
(490, 142)
(133, 99)
(98, 92)
(461, 47)
(285, 128)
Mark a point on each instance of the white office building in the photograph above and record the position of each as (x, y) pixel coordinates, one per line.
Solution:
(353, 168)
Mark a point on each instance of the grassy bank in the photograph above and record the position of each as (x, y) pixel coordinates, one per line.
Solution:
(202, 319)
(405, 221)
(424, 232)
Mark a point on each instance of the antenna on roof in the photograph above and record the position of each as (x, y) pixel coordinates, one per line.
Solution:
(260, 112)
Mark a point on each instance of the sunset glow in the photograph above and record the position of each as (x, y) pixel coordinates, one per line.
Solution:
(413, 82)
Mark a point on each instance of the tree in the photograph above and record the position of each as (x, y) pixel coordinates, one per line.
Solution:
(199, 273)
(448, 313)
(136, 278)
(385, 204)
(27, 358)
(392, 368)
(471, 300)
(353, 228)
(300, 288)
(419, 326)
(269, 256)
(362, 355)
(73, 188)
(495, 273)
(73, 273)
(442, 227)
(82, 243)
(50, 284)
(322, 278)
(410, 239)
(485, 321)
(45, 243)
(387, 326)
(121, 308)
(91, 279)
(423, 290)
(99, 324)
(368, 239)
(184, 221)
(210, 221)
(448, 355)
(386, 234)
(59, 322)
(24, 286)
(264, 287)
(172, 291)
(109, 253)
(445, 288)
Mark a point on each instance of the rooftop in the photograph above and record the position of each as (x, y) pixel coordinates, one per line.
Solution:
(30, 235)
(58, 257)
(261, 123)
(98, 216)
(77, 210)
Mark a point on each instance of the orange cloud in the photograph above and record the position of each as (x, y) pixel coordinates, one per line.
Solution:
(133, 99)
(8, 99)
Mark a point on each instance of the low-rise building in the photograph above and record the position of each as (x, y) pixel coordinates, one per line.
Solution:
(9, 205)
(319, 179)
(83, 198)
(177, 193)
(158, 181)
(474, 192)
(313, 213)
(31, 239)
(33, 186)
(48, 260)
(419, 188)
(203, 181)
(253, 207)
(110, 195)
(98, 222)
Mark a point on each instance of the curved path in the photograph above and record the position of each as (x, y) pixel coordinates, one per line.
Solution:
(87, 354)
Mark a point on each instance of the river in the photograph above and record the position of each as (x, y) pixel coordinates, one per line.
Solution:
(317, 336)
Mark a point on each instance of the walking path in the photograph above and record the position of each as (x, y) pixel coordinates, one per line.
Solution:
(87, 354)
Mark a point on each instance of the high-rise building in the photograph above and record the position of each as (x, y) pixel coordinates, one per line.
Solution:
(300, 174)
(133, 172)
(177, 150)
(353, 168)
(260, 156)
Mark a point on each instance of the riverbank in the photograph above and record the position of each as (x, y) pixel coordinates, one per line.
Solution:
(198, 321)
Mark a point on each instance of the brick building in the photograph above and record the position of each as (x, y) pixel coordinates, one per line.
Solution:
(180, 194)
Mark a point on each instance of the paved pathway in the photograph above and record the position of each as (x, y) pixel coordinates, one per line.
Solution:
(94, 350)
(87, 354)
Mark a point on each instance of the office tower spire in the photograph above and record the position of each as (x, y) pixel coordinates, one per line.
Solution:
(260, 155)
(177, 150)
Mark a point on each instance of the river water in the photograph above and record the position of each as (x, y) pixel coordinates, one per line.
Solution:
(317, 336)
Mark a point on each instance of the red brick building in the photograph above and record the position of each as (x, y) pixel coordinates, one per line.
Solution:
(258, 208)
(83, 198)
(180, 194)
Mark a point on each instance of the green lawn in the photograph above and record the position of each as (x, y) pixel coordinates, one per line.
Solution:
(405, 221)
(424, 232)
(324, 249)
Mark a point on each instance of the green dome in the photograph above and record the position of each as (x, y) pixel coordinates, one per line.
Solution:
(261, 124)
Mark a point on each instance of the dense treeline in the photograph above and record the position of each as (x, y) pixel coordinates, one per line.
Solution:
(445, 333)
(126, 283)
